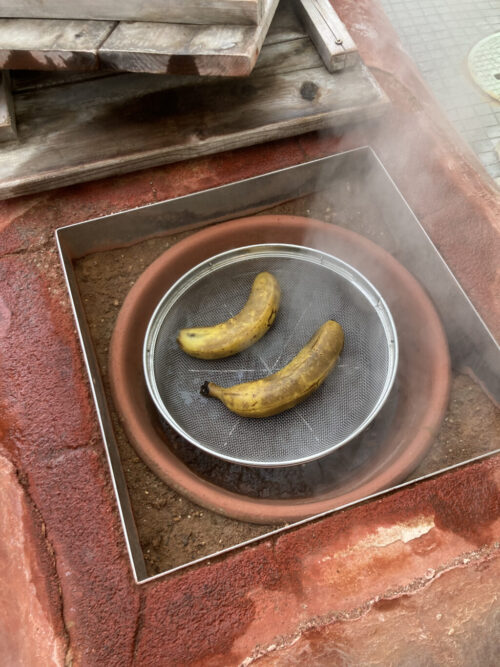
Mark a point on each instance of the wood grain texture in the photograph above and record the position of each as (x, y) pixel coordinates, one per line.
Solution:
(102, 127)
(162, 48)
(170, 11)
(159, 48)
(328, 33)
(51, 45)
(7, 114)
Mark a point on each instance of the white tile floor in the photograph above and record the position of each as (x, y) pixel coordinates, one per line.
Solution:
(438, 35)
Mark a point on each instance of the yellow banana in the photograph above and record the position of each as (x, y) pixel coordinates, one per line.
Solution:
(289, 386)
(240, 331)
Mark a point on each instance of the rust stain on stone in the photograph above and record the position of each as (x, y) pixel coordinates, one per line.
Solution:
(206, 611)
(466, 507)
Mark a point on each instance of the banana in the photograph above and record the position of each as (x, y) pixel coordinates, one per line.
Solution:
(240, 331)
(289, 386)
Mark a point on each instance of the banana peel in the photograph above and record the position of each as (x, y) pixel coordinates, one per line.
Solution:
(289, 386)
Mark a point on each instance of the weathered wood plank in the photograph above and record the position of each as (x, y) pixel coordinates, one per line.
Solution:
(215, 50)
(47, 45)
(169, 11)
(275, 58)
(7, 114)
(328, 33)
(285, 27)
(159, 48)
(93, 129)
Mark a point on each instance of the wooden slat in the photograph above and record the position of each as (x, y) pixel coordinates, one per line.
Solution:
(51, 45)
(328, 33)
(97, 128)
(7, 116)
(217, 50)
(170, 11)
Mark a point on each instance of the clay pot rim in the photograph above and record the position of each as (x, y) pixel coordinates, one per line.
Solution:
(150, 445)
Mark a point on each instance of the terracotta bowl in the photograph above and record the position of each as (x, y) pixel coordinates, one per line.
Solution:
(409, 421)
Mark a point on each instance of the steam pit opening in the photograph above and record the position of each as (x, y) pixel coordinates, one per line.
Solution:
(196, 528)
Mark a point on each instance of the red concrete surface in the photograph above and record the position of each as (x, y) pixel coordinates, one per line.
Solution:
(32, 629)
(433, 631)
(320, 593)
(332, 569)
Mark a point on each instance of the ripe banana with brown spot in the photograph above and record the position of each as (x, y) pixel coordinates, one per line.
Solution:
(240, 331)
(289, 386)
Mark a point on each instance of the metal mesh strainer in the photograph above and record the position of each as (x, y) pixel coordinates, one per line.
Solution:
(315, 287)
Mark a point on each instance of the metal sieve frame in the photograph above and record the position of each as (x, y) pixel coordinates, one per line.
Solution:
(270, 251)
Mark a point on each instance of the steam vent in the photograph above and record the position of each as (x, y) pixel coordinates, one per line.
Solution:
(293, 205)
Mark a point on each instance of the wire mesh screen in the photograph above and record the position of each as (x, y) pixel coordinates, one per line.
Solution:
(314, 288)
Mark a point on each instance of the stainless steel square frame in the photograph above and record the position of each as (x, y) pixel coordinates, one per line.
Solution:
(471, 344)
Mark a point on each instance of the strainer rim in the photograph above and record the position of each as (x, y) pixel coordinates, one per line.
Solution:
(274, 250)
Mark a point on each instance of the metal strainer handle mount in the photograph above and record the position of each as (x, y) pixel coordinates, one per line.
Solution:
(315, 287)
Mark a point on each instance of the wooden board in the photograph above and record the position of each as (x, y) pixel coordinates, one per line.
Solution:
(51, 45)
(158, 48)
(328, 33)
(86, 130)
(7, 117)
(170, 11)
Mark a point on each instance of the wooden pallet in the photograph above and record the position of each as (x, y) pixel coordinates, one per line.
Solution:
(135, 46)
(169, 11)
(83, 130)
